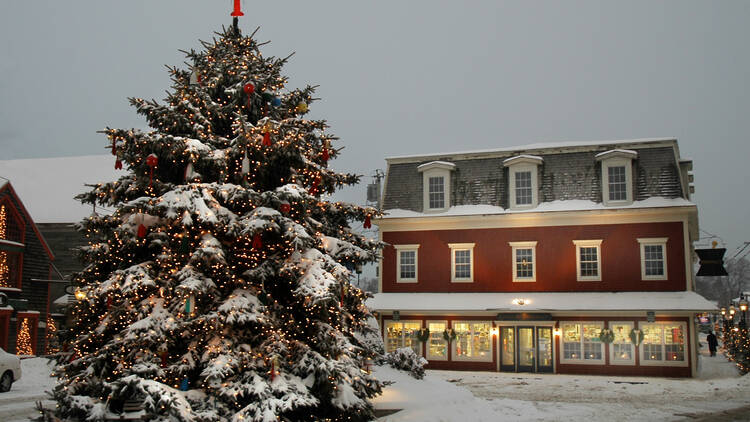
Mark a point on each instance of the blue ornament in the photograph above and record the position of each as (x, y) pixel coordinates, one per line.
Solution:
(184, 384)
(276, 101)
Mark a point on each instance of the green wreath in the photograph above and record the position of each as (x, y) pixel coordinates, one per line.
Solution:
(449, 336)
(636, 336)
(606, 336)
(423, 335)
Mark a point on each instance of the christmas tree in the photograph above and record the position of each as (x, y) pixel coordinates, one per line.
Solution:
(219, 288)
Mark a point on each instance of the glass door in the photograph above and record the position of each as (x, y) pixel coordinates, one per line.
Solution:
(526, 349)
(507, 349)
(544, 346)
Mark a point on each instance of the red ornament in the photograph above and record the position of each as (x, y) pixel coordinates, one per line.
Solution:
(118, 165)
(109, 302)
(368, 223)
(257, 242)
(237, 11)
(285, 208)
(325, 154)
(315, 188)
(152, 160)
(249, 88)
(141, 231)
(163, 359)
(267, 139)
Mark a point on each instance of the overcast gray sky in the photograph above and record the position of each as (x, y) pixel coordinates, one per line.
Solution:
(410, 77)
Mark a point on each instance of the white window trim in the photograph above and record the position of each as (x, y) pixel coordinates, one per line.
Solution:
(617, 161)
(522, 167)
(580, 361)
(653, 241)
(665, 362)
(427, 346)
(436, 169)
(461, 246)
(407, 248)
(523, 245)
(617, 361)
(589, 244)
(455, 357)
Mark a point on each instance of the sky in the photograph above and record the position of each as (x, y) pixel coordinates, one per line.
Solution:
(412, 77)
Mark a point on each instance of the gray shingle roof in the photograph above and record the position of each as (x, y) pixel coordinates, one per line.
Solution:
(567, 173)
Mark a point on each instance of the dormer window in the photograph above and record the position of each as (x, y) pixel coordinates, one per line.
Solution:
(436, 177)
(617, 176)
(523, 181)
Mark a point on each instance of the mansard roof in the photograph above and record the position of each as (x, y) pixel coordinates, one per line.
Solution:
(569, 171)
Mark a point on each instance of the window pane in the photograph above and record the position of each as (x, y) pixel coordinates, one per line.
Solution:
(524, 263)
(462, 263)
(674, 343)
(652, 341)
(653, 256)
(481, 339)
(437, 347)
(463, 339)
(393, 335)
(402, 334)
(472, 339)
(408, 264)
(589, 261)
(436, 192)
(571, 341)
(592, 347)
(621, 345)
(523, 188)
(410, 336)
(617, 183)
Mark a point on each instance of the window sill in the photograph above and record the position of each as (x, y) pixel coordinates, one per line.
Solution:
(524, 280)
(460, 280)
(653, 278)
(581, 361)
(663, 363)
(586, 279)
(405, 281)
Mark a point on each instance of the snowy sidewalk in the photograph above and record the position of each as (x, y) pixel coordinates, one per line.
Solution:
(491, 396)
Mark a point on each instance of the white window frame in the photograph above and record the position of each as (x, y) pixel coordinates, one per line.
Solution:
(461, 247)
(581, 361)
(614, 360)
(523, 245)
(663, 361)
(407, 248)
(454, 355)
(617, 158)
(589, 244)
(427, 346)
(518, 164)
(436, 169)
(653, 241)
(390, 322)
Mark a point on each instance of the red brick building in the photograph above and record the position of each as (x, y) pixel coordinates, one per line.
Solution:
(568, 258)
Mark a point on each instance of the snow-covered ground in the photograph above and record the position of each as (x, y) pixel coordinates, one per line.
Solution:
(489, 396)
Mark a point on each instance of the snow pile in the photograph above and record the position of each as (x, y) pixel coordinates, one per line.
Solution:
(430, 399)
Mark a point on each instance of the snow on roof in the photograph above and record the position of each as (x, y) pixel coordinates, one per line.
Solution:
(431, 164)
(548, 302)
(46, 186)
(552, 206)
(616, 152)
(541, 145)
(523, 157)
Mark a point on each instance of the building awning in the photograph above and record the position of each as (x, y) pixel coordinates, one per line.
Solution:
(542, 302)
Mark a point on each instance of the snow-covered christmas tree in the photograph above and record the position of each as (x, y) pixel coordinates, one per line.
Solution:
(219, 288)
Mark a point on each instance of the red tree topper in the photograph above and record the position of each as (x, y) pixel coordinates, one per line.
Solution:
(237, 11)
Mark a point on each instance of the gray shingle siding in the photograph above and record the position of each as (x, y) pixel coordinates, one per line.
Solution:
(562, 176)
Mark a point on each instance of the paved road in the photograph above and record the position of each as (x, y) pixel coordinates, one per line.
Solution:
(18, 409)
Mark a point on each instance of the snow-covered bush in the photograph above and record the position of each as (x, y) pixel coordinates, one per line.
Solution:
(406, 360)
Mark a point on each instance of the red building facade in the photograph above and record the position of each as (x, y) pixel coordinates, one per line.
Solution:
(565, 259)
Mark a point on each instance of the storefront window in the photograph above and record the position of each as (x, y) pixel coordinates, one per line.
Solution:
(622, 347)
(472, 341)
(581, 342)
(663, 342)
(437, 348)
(400, 334)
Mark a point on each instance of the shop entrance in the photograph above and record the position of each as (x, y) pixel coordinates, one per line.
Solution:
(526, 349)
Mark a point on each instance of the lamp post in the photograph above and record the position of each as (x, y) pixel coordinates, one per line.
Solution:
(743, 308)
